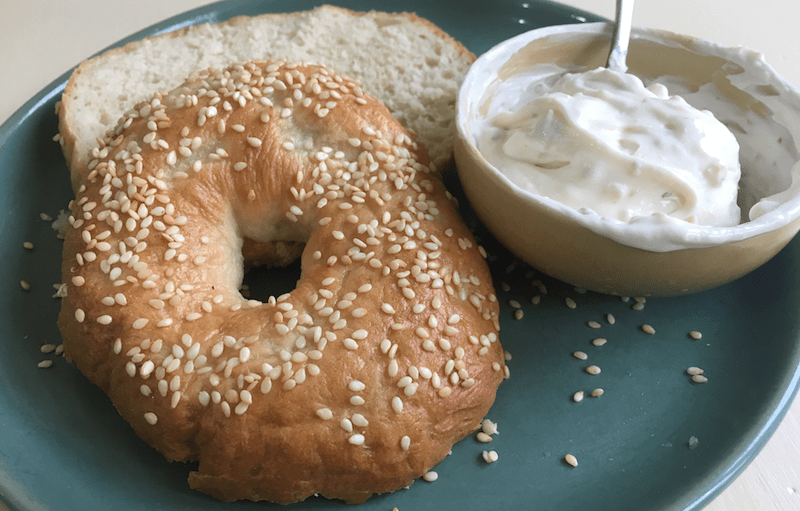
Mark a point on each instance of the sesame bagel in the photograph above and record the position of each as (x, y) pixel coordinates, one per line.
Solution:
(356, 382)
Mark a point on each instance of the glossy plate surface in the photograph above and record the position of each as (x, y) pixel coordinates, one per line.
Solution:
(63, 446)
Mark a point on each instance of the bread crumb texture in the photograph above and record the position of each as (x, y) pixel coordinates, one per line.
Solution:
(405, 61)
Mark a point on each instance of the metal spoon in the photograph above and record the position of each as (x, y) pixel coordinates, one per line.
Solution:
(620, 37)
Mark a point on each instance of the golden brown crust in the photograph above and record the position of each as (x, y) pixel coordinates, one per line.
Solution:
(359, 380)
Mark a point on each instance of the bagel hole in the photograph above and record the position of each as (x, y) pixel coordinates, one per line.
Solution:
(261, 282)
(270, 270)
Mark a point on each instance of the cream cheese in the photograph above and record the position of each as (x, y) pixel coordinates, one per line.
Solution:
(603, 141)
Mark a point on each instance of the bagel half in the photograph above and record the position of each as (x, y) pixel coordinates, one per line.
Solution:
(403, 60)
(356, 382)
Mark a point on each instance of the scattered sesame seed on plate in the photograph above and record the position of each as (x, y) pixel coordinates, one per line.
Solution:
(648, 329)
(580, 355)
(693, 371)
(599, 341)
(28, 245)
(593, 370)
(699, 378)
(489, 456)
(570, 303)
(571, 460)
(431, 476)
(597, 392)
(610, 319)
(694, 334)
(593, 324)
(578, 396)
(44, 364)
(483, 437)
(489, 427)
(24, 285)
(518, 314)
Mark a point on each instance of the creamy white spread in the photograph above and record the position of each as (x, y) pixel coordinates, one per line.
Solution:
(603, 141)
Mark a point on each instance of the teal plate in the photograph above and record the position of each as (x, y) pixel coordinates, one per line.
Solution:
(63, 446)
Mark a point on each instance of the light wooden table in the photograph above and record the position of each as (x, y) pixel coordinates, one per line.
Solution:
(41, 39)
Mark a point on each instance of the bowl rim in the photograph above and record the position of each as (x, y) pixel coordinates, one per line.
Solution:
(656, 233)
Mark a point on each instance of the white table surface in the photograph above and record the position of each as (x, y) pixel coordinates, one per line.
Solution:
(41, 39)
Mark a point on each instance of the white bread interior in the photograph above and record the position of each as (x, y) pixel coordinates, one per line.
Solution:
(405, 61)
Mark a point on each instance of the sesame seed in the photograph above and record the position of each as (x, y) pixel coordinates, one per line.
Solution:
(610, 319)
(489, 456)
(430, 476)
(593, 324)
(580, 355)
(241, 408)
(356, 386)
(694, 334)
(483, 437)
(359, 420)
(44, 364)
(699, 378)
(356, 439)
(693, 371)
(597, 392)
(489, 427)
(28, 245)
(571, 460)
(24, 285)
(570, 303)
(151, 418)
(578, 396)
(593, 370)
(648, 329)
(599, 341)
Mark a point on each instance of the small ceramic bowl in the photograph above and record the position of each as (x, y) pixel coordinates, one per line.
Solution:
(645, 257)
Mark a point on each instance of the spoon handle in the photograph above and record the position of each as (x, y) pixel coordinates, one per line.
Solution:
(621, 36)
